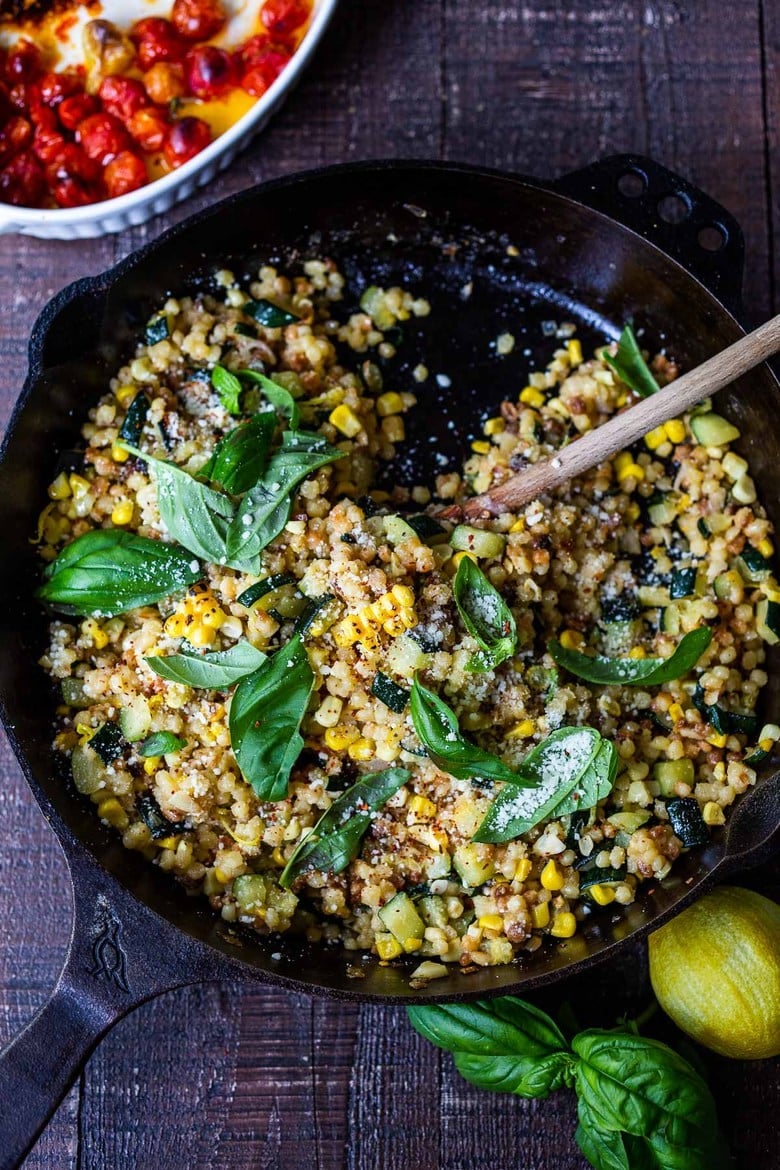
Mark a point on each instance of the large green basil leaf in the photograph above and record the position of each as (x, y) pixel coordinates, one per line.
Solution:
(485, 615)
(630, 366)
(335, 839)
(110, 571)
(437, 727)
(241, 456)
(506, 1044)
(641, 1087)
(603, 1148)
(266, 507)
(214, 671)
(572, 768)
(265, 718)
(281, 399)
(194, 514)
(634, 672)
(228, 389)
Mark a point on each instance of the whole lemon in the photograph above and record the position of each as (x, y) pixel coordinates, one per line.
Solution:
(715, 970)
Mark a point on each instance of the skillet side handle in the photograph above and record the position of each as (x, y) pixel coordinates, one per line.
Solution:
(119, 956)
(671, 213)
(752, 832)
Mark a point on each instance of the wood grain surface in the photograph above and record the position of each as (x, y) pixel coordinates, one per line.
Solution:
(212, 1078)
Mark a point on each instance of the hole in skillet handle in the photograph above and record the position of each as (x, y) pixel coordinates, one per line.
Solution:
(671, 213)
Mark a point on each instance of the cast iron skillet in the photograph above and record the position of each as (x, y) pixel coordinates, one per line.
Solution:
(581, 249)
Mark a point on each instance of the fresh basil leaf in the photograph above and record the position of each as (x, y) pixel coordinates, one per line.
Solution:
(194, 514)
(161, 743)
(266, 507)
(214, 671)
(505, 1044)
(630, 366)
(228, 389)
(641, 1087)
(241, 456)
(335, 839)
(268, 314)
(265, 717)
(571, 766)
(485, 615)
(634, 672)
(603, 1148)
(133, 424)
(437, 728)
(281, 399)
(110, 571)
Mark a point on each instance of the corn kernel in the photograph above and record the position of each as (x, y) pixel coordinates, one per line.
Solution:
(125, 394)
(494, 426)
(213, 618)
(734, 465)
(637, 652)
(552, 877)
(675, 430)
(574, 350)
(79, 487)
(530, 396)
(559, 408)
(519, 525)
(564, 925)
(388, 948)
(119, 454)
(654, 438)
(59, 489)
(122, 513)
(93, 630)
(717, 739)
(523, 869)
(631, 471)
(422, 806)
(571, 639)
(176, 625)
(521, 730)
(393, 429)
(602, 895)
(111, 810)
(151, 764)
(676, 713)
(412, 944)
(388, 404)
(201, 635)
(712, 814)
(491, 922)
(403, 595)
(480, 447)
(459, 557)
(623, 459)
(632, 512)
(540, 915)
(338, 738)
(765, 547)
(361, 750)
(344, 419)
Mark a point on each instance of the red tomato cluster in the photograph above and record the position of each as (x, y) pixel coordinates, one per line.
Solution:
(61, 146)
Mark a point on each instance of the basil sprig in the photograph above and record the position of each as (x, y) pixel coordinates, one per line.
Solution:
(228, 389)
(239, 458)
(281, 399)
(436, 725)
(640, 1105)
(265, 717)
(630, 366)
(572, 769)
(485, 615)
(335, 839)
(110, 571)
(214, 671)
(634, 672)
(161, 743)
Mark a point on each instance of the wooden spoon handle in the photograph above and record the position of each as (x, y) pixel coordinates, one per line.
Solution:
(630, 425)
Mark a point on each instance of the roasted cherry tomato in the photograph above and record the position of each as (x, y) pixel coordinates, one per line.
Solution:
(209, 71)
(282, 17)
(197, 20)
(164, 82)
(15, 136)
(185, 139)
(102, 137)
(69, 192)
(156, 40)
(122, 96)
(48, 145)
(124, 173)
(55, 87)
(23, 64)
(264, 69)
(149, 128)
(22, 181)
(73, 163)
(73, 110)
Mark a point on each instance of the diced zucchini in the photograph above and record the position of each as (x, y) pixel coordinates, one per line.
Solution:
(73, 692)
(256, 891)
(108, 742)
(663, 509)
(433, 910)
(374, 302)
(704, 528)
(465, 538)
(718, 522)
(269, 585)
(768, 620)
(389, 693)
(752, 566)
(397, 530)
(439, 866)
(405, 656)
(713, 431)
(620, 637)
(153, 817)
(669, 773)
(652, 596)
(729, 586)
(722, 719)
(683, 583)
(578, 822)
(671, 619)
(687, 822)
(629, 821)
(473, 864)
(597, 875)
(89, 771)
(623, 608)
(157, 329)
(400, 917)
(135, 719)
(427, 528)
(133, 424)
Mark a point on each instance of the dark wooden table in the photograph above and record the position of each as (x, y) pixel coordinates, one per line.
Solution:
(224, 1077)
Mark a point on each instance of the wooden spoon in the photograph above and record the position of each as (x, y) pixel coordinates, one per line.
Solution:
(625, 428)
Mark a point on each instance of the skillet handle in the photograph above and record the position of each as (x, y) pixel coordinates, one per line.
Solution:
(120, 954)
(671, 213)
